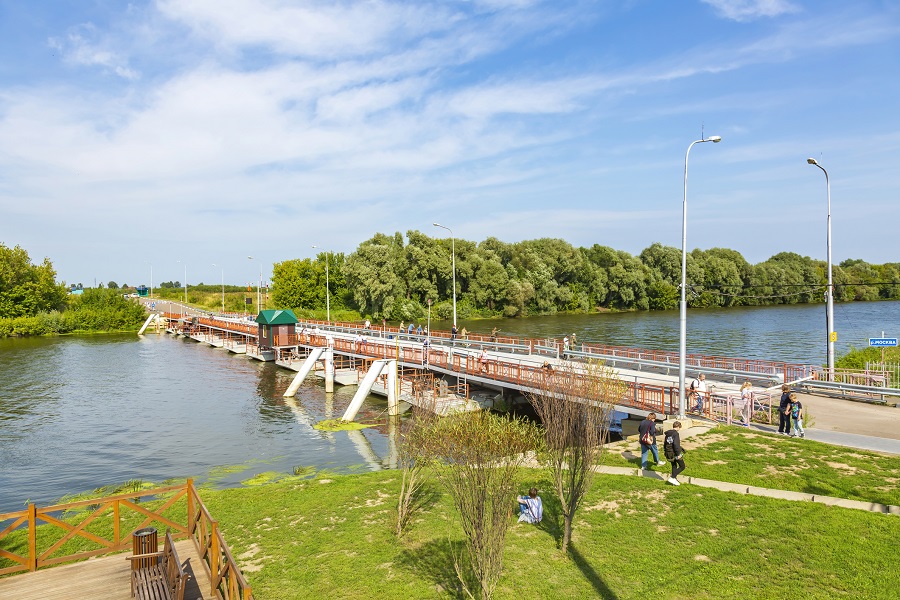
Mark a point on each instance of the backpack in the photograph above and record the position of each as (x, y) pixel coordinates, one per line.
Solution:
(695, 384)
(669, 448)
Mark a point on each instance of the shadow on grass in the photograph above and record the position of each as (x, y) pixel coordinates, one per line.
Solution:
(433, 561)
(591, 575)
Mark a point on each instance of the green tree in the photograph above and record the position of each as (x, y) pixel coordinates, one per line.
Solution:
(372, 274)
(27, 289)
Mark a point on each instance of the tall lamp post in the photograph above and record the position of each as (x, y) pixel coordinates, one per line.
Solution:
(258, 284)
(185, 280)
(223, 289)
(831, 336)
(683, 317)
(453, 255)
(327, 287)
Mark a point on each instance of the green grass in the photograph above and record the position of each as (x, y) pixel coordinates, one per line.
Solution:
(634, 538)
(331, 536)
(737, 455)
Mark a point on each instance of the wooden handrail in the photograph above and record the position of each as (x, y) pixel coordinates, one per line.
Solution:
(199, 526)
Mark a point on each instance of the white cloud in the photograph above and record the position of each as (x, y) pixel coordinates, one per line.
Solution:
(748, 10)
(321, 29)
(78, 49)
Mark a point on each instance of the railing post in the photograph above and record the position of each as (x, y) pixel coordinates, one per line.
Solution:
(215, 556)
(117, 535)
(32, 537)
(191, 523)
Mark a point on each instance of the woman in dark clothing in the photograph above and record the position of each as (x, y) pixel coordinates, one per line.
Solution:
(647, 438)
(784, 410)
(673, 451)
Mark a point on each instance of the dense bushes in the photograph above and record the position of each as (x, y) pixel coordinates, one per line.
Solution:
(94, 310)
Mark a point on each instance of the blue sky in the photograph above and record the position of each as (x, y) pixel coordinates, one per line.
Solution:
(204, 131)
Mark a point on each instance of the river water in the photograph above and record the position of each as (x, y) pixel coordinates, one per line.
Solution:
(81, 412)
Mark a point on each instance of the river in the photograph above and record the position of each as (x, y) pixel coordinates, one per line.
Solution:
(79, 412)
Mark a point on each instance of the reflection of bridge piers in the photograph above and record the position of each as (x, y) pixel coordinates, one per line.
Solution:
(445, 374)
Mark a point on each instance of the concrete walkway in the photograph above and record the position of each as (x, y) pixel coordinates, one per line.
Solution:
(740, 488)
(851, 440)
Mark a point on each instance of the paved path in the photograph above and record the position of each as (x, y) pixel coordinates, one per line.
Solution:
(835, 415)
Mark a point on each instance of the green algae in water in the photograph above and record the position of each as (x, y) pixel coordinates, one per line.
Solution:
(339, 425)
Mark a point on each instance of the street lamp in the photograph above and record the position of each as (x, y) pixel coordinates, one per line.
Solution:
(683, 317)
(829, 293)
(258, 284)
(185, 281)
(453, 255)
(327, 290)
(223, 289)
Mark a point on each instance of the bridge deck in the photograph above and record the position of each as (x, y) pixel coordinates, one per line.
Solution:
(104, 578)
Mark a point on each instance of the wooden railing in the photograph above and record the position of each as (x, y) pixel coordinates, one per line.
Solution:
(55, 531)
(226, 580)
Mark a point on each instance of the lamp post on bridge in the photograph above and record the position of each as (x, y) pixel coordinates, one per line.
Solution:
(184, 306)
(453, 256)
(223, 289)
(682, 349)
(327, 287)
(831, 334)
(258, 284)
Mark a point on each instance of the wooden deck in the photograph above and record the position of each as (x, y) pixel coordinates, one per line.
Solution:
(105, 578)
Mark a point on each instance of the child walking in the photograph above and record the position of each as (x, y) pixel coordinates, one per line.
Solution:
(796, 416)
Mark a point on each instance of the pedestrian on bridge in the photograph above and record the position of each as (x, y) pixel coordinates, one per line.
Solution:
(699, 391)
(647, 438)
(796, 416)
(784, 410)
(747, 406)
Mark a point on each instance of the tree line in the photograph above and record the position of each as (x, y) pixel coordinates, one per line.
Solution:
(33, 303)
(393, 277)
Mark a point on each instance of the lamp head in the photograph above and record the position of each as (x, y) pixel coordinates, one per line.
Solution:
(715, 139)
(436, 224)
(812, 161)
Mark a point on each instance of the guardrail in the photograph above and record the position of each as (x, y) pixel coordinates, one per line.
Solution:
(48, 532)
(862, 392)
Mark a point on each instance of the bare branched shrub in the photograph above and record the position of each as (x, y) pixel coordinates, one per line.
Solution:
(575, 402)
(413, 455)
(477, 457)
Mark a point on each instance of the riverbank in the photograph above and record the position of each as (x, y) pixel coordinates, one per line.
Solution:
(330, 536)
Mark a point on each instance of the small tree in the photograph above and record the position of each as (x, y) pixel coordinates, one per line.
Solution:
(574, 402)
(477, 457)
(413, 455)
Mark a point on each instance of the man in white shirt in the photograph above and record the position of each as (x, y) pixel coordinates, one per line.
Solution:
(699, 391)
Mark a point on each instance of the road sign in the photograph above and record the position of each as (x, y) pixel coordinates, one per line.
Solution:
(882, 342)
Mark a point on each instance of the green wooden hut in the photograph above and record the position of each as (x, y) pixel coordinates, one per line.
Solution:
(275, 327)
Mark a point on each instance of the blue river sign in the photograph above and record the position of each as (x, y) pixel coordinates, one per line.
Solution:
(882, 342)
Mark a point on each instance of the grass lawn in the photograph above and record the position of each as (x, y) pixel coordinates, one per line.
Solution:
(331, 537)
(737, 455)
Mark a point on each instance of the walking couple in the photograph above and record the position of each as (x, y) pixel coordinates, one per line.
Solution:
(671, 446)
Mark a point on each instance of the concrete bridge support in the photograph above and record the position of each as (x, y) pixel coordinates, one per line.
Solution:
(329, 370)
(368, 381)
(307, 366)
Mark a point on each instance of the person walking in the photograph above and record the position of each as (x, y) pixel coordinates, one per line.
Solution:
(784, 410)
(647, 439)
(747, 406)
(673, 451)
(698, 389)
(796, 416)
